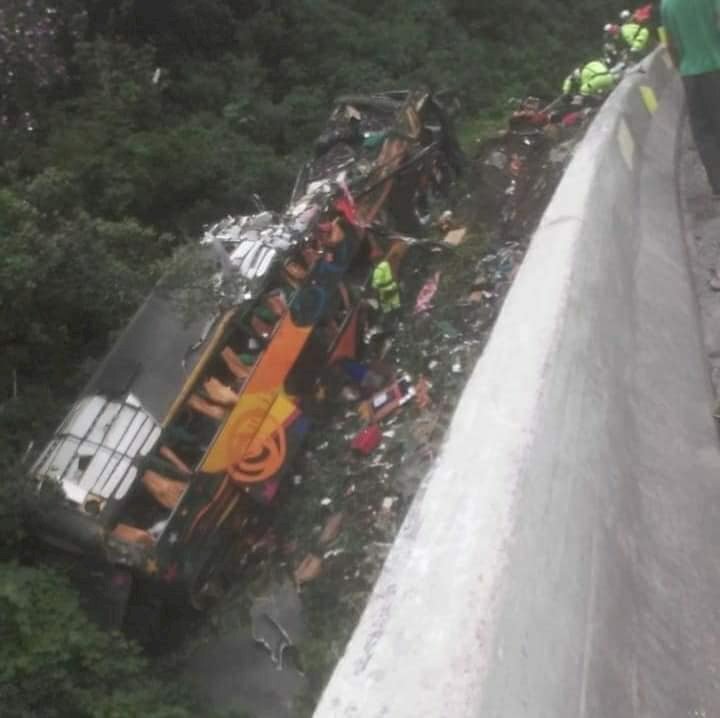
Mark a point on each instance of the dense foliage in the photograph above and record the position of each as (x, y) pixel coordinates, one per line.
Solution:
(54, 662)
(124, 126)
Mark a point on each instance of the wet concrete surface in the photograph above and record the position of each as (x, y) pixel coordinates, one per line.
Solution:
(365, 498)
(702, 232)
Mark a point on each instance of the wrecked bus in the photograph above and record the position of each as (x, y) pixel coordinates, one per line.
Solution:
(180, 441)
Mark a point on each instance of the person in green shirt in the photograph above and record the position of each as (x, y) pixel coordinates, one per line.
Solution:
(693, 41)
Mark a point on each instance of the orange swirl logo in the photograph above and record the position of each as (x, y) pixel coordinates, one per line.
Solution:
(258, 448)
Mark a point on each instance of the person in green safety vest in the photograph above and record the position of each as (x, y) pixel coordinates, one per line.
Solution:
(636, 38)
(383, 282)
(591, 82)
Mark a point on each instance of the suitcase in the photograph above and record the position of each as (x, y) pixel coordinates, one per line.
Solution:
(367, 440)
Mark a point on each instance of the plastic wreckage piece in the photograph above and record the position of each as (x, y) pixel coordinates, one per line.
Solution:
(571, 119)
(422, 396)
(308, 569)
(331, 530)
(388, 400)
(426, 294)
(367, 440)
(269, 634)
(455, 237)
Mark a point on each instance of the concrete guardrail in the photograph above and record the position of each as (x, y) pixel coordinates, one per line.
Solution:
(562, 559)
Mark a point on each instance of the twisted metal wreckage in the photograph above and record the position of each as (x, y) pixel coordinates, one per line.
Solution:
(172, 455)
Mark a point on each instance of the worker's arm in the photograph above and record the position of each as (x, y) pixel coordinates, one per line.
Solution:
(672, 49)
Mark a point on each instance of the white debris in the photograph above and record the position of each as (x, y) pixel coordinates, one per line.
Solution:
(388, 503)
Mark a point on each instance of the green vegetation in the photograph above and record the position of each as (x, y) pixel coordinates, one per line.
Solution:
(124, 126)
(55, 663)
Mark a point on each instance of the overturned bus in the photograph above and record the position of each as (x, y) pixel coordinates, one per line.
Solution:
(180, 441)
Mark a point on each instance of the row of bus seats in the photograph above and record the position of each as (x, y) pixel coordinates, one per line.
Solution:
(166, 474)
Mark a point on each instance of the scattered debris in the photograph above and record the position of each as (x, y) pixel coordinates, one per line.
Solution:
(428, 291)
(344, 520)
(269, 634)
(349, 394)
(387, 401)
(333, 553)
(308, 569)
(455, 237)
(367, 440)
(331, 530)
(422, 397)
(387, 504)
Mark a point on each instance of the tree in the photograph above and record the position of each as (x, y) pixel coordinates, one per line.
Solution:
(34, 44)
(55, 663)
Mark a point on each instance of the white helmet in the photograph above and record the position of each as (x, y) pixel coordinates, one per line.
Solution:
(625, 15)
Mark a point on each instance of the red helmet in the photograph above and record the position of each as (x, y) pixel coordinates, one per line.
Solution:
(643, 14)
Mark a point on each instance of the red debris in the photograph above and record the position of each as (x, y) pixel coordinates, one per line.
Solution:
(367, 440)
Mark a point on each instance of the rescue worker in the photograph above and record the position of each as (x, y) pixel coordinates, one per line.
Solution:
(611, 45)
(636, 38)
(591, 83)
(644, 15)
(383, 282)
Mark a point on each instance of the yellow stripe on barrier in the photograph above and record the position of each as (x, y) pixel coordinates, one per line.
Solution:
(627, 144)
(662, 36)
(649, 98)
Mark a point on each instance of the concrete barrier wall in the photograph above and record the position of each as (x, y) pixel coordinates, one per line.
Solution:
(563, 557)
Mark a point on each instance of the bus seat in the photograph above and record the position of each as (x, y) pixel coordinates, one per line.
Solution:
(167, 492)
(205, 407)
(132, 534)
(167, 453)
(220, 393)
(235, 363)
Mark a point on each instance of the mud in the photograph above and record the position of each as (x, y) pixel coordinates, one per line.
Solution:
(313, 572)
